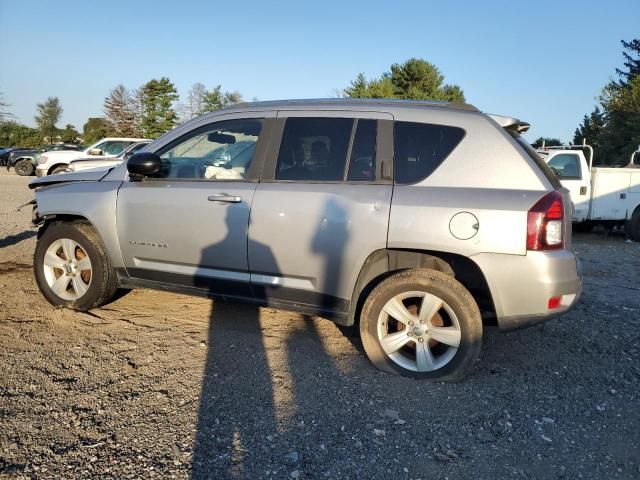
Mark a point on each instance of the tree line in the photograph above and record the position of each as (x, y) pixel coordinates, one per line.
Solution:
(613, 127)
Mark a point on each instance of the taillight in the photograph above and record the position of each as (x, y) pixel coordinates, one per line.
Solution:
(544, 223)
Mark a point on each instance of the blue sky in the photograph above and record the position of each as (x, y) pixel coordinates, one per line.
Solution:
(544, 62)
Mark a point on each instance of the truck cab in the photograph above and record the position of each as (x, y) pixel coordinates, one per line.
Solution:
(572, 169)
(605, 195)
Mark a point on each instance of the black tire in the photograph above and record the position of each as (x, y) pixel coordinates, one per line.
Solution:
(24, 168)
(103, 284)
(447, 289)
(633, 226)
(58, 169)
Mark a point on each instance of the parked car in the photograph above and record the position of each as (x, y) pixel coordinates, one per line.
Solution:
(4, 154)
(604, 195)
(92, 162)
(414, 220)
(58, 161)
(24, 161)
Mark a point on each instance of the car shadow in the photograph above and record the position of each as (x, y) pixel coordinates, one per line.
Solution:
(10, 240)
(251, 368)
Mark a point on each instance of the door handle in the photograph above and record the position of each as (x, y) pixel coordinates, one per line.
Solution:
(223, 197)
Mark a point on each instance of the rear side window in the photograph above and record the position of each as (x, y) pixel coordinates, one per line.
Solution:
(314, 149)
(566, 166)
(420, 148)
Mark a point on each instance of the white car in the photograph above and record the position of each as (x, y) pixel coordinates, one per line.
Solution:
(100, 162)
(58, 162)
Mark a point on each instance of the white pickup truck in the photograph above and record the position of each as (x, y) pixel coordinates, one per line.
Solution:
(605, 195)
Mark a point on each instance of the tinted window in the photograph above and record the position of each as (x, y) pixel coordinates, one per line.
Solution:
(314, 149)
(220, 151)
(420, 148)
(362, 164)
(565, 165)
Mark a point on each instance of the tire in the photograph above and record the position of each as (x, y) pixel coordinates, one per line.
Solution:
(24, 168)
(64, 286)
(58, 169)
(633, 226)
(458, 311)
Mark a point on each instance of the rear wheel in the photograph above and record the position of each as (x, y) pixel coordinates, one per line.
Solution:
(24, 168)
(422, 323)
(633, 226)
(71, 267)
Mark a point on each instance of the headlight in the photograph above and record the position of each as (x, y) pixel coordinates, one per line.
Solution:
(42, 159)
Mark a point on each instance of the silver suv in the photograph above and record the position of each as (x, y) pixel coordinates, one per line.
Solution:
(416, 221)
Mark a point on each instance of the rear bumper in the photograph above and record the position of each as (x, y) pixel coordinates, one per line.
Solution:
(521, 285)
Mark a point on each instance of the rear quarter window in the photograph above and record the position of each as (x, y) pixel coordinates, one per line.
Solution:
(420, 148)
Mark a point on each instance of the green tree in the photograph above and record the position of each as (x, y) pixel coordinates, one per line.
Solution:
(94, 130)
(414, 79)
(13, 134)
(614, 127)
(119, 113)
(69, 134)
(591, 129)
(159, 115)
(216, 99)
(548, 142)
(49, 114)
(631, 54)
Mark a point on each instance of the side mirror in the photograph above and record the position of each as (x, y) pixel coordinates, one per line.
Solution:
(143, 164)
(95, 151)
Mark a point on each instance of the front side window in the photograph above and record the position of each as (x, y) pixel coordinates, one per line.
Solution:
(221, 151)
(314, 149)
(565, 166)
(420, 148)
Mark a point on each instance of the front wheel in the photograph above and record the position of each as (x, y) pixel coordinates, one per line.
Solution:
(72, 268)
(24, 168)
(422, 323)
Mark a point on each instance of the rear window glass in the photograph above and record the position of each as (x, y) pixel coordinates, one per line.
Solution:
(420, 148)
(566, 166)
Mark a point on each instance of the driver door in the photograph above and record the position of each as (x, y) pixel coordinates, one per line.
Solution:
(187, 226)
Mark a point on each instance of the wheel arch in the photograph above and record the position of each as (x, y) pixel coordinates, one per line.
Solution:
(53, 167)
(383, 263)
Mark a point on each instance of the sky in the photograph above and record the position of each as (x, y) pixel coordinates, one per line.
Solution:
(544, 62)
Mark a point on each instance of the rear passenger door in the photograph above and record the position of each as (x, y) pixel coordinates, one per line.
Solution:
(321, 208)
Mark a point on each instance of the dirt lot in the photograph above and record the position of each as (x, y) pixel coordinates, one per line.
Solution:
(170, 386)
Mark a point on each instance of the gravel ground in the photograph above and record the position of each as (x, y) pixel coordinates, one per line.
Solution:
(170, 386)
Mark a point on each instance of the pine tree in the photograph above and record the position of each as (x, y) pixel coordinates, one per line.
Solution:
(118, 112)
(159, 115)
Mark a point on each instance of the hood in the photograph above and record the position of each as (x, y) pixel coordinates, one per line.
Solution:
(92, 175)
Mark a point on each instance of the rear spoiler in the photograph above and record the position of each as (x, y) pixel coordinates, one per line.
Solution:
(510, 123)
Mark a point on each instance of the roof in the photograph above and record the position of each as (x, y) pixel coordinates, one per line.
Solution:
(355, 102)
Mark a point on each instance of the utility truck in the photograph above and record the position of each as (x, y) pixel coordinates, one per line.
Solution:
(606, 195)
